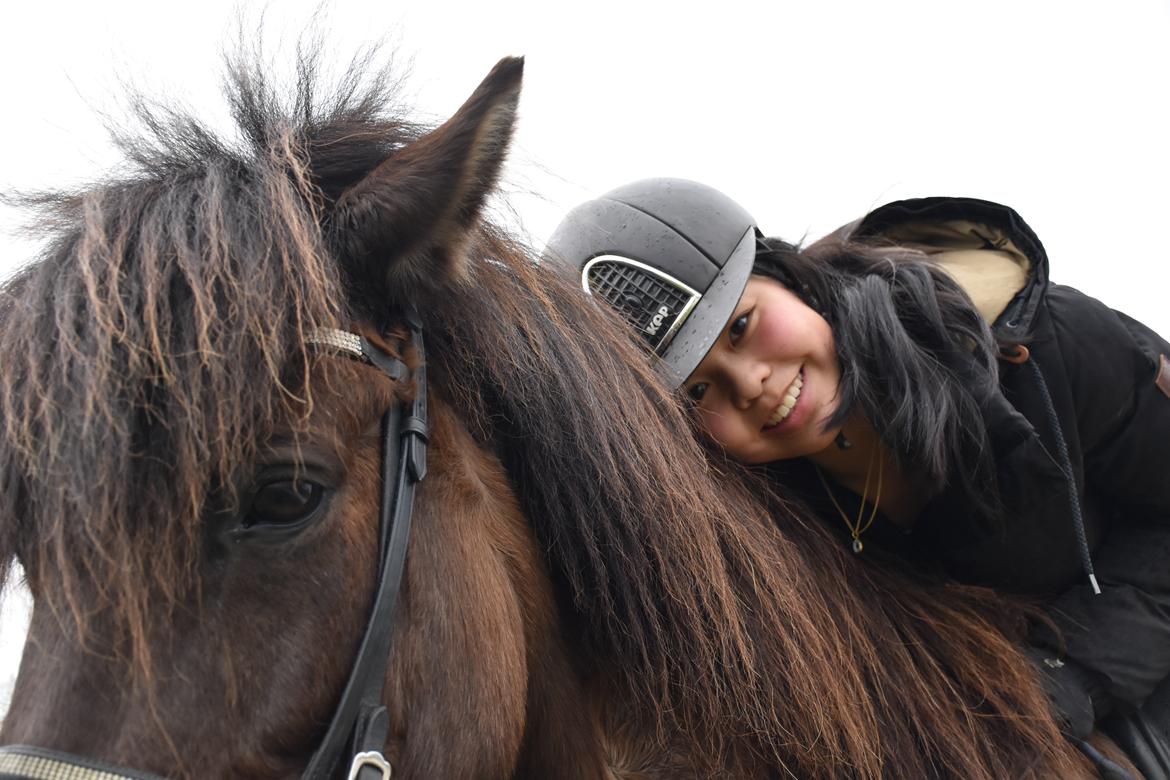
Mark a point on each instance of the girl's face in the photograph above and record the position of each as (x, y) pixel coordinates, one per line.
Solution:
(765, 389)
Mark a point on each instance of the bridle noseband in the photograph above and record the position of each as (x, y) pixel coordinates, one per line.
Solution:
(357, 734)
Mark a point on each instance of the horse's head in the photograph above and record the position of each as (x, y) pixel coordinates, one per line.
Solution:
(192, 481)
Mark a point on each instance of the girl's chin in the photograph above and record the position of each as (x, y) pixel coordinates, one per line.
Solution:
(808, 441)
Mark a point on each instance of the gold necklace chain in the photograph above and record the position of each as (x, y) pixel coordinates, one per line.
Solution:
(856, 529)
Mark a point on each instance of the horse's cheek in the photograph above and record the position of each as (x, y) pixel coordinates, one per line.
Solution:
(459, 672)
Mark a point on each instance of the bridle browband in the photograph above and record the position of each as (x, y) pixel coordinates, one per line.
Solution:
(358, 731)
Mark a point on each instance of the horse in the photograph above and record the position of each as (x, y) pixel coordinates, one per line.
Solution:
(192, 486)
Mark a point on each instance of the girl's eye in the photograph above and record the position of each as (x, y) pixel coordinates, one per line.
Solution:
(738, 326)
(696, 391)
(284, 502)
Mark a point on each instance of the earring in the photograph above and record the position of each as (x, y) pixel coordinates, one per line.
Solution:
(841, 442)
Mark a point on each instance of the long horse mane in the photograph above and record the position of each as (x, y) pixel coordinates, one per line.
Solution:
(151, 344)
(726, 606)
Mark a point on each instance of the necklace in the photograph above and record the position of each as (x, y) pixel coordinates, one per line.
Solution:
(856, 529)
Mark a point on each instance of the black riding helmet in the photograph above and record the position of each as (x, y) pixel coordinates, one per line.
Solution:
(673, 256)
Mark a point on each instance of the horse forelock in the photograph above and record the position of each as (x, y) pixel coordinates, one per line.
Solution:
(162, 332)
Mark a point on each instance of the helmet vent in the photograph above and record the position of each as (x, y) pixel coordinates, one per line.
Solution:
(653, 302)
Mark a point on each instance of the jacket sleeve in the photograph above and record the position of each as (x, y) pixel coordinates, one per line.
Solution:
(1122, 403)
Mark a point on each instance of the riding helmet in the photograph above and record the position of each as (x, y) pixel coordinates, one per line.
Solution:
(671, 255)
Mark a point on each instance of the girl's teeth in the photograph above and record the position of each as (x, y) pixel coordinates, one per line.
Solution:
(787, 404)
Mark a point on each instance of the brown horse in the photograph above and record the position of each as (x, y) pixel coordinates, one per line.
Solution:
(193, 492)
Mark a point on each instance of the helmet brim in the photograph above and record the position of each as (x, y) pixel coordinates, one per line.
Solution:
(701, 329)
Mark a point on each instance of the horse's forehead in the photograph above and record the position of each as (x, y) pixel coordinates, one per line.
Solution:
(348, 393)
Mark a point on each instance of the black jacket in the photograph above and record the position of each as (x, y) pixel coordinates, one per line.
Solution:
(1081, 437)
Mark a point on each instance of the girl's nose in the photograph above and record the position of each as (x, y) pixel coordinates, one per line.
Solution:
(747, 381)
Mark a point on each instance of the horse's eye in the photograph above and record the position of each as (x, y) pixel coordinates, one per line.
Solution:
(284, 502)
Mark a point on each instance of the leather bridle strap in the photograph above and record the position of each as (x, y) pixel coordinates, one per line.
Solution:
(360, 718)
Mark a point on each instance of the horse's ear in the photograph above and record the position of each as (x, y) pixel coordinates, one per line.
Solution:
(405, 223)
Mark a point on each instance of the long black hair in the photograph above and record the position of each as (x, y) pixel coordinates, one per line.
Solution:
(917, 359)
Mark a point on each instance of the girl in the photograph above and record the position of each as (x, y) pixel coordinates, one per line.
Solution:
(918, 381)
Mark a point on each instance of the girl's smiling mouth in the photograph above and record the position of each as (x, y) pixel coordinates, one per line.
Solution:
(788, 403)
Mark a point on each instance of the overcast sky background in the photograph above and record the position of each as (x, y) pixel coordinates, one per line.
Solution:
(808, 113)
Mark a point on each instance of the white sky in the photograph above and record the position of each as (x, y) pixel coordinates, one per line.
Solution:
(808, 113)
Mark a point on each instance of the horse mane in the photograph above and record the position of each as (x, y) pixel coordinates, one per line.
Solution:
(726, 607)
(728, 616)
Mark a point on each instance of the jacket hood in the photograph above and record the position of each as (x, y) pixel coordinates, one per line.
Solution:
(989, 250)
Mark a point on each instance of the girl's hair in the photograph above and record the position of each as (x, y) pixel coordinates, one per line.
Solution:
(916, 357)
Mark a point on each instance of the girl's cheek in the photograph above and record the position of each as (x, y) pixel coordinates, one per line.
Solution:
(714, 426)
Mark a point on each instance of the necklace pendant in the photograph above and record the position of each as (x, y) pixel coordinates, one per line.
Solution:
(857, 546)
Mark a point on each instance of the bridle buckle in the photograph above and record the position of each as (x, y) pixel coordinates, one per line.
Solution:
(370, 758)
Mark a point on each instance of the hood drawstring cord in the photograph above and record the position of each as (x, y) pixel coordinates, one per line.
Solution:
(1074, 498)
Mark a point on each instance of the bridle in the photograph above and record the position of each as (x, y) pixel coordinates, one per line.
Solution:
(360, 719)
(357, 734)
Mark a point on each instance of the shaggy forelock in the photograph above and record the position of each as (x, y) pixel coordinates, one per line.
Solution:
(162, 332)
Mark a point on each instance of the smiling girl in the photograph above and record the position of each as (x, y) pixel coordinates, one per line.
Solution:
(919, 383)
